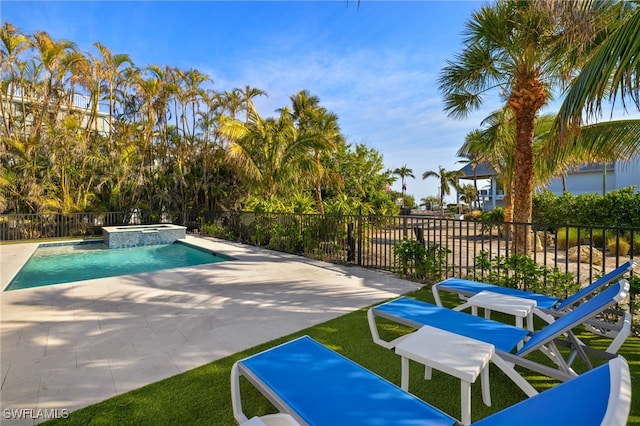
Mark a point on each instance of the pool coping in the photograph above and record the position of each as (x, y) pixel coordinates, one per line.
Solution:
(12, 259)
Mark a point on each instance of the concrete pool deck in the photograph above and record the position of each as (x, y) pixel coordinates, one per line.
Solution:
(67, 346)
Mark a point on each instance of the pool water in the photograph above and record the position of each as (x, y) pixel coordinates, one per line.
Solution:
(57, 264)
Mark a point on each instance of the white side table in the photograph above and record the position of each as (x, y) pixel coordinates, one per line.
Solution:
(519, 307)
(453, 354)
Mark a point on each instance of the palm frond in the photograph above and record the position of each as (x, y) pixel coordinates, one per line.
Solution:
(612, 72)
(610, 140)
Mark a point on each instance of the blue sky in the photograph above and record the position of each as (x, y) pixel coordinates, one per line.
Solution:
(375, 65)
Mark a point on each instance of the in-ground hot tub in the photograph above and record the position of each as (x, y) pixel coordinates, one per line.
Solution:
(142, 235)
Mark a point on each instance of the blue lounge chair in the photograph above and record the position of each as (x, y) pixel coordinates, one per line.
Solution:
(468, 288)
(549, 308)
(313, 385)
(506, 338)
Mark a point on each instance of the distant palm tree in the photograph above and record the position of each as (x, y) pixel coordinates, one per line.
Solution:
(468, 194)
(473, 159)
(448, 178)
(246, 96)
(404, 172)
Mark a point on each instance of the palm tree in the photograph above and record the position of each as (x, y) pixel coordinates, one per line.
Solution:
(151, 90)
(311, 118)
(246, 96)
(447, 179)
(494, 144)
(13, 44)
(232, 102)
(272, 153)
(511, 46)
(473, 159)
(51, 54)
(404, 172)
(87, 72)
(111, 72)
(468, 194)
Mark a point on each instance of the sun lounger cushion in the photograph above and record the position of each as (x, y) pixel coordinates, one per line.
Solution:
(323, 388)
(320, 387)
(415, 313)
(469, 288)
(601, 397)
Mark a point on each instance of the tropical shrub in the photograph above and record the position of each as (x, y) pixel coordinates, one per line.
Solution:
(416, 260)
(556, 283)
(524, 272)
(284, 237)
(521, 272)
(261, 232)
(493, 218)
(635, 238)
(474, 215)
(634, 295)
(619, 208)
(214, 230)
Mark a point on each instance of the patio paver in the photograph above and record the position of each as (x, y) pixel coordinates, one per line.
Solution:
(71, 345)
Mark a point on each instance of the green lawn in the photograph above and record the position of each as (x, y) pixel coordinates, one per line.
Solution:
(202, 395)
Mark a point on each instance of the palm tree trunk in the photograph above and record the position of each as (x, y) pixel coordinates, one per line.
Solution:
(527, 97)
(318, 191)
(508, 210)
(523, 177)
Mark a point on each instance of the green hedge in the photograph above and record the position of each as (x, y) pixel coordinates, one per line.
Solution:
(620, 208)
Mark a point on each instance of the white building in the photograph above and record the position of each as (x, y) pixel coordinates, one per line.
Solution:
(591, 179)
(80, 103)
(598, 178)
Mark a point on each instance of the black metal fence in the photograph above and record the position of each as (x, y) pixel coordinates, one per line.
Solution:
(377, 242)
(15, 227)
(466, 246)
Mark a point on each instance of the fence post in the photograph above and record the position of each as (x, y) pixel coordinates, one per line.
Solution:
(419, 232)
(360, 237)
(351, 243)
(405, 234)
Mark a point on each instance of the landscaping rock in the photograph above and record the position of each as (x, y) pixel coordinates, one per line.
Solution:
(585, 254)
(538, 243)
(547, 238)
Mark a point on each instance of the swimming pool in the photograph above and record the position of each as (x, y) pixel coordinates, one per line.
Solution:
(64, 263)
